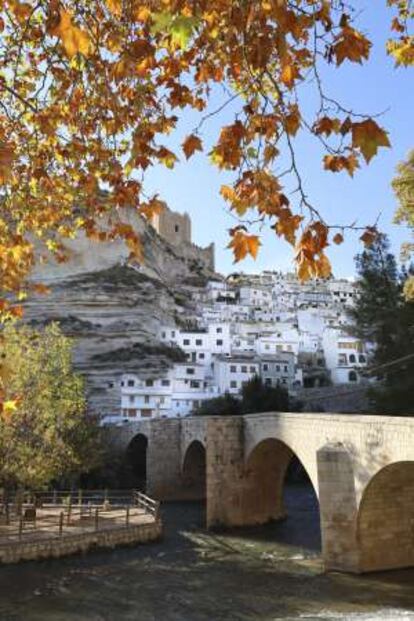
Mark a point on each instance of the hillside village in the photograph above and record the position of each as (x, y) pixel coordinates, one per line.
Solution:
(268, 325)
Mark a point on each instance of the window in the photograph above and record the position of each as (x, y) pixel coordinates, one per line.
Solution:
(266, 346)
(284, 381)
(162, 400)
(352, 358)
(219, 342)
(362, 358)
(268, 381)
(219, 330)
(233, 368)
(189, 371)
(252, 369)
(163, 335)
(172, 334)
(278, 367)
(131, 383)
(199, 342)
(132, 413)
(176, 228)
(195, 384)
(146, 399)
(131, 398)
(352, 376)
(265, 367)
(165, 382)
(110, 384)
(201, 356)
(342, 359)
(186, 341)
(122, 384)
(285, 368)
(177, 404)
(149, 382)
(244, 369)
(233, 384)
(146, 413)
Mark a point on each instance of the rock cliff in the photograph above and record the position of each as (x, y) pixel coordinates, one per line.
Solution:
(114, 308)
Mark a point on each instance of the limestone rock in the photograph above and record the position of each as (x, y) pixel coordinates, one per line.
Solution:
(114, 308)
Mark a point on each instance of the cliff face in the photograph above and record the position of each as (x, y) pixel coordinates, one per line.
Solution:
(114, 309)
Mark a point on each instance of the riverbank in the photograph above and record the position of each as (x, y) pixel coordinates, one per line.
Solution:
(262, 574)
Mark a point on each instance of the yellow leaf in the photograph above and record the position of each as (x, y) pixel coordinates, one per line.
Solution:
(115, 6)
(73, 38)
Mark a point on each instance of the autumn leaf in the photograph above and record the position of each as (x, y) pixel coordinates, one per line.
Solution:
(115, 6)
(243, 244)
(351, 45)
(191, 144)
(73, 38)
(368, 137)
(6, 161)
(336, 163)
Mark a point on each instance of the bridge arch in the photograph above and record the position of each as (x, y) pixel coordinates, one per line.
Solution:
(266, 469)
(385, 519)
(194, 471)
(135, 462)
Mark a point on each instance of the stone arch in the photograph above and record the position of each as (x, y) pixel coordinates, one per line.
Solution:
(386, 519)
(135, 462)
(265, 473)
(194, 471)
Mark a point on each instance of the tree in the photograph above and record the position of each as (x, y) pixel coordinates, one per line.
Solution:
(255, 397)
(45, 433)
(89, 89)
(403, 186)
(385, 318)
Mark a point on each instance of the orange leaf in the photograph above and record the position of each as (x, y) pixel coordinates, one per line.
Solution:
(191, 144)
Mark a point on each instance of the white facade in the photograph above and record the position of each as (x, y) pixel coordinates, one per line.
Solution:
(268, 324)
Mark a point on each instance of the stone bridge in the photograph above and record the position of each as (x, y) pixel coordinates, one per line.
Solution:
(361, 468)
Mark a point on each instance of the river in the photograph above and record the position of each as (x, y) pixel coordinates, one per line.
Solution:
(264, 574)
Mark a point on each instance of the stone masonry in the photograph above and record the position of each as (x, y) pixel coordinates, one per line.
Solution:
(361, 468)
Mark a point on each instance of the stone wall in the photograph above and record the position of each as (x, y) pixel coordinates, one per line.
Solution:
(80, 543)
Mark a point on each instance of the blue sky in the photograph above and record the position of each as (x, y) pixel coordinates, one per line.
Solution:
(374, 87)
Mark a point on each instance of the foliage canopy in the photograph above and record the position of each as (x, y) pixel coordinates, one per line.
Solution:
(45, 434)
(385, 318)
(89, 89)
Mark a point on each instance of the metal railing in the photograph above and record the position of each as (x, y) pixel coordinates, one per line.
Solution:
(41, 515)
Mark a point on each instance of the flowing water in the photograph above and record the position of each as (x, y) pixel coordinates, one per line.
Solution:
(266, 574)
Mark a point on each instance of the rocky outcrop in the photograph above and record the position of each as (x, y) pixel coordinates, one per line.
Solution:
(114, 308)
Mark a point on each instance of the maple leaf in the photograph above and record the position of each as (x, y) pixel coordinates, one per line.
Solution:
(368, 137)
(351, 45)
(292, 120)
(73, 38)
(289, 74)
(243, 244)
(336, 163)
(327, 125)
(191, 144)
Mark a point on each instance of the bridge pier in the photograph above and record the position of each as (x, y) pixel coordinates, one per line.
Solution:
(338, 509)
(164, 477)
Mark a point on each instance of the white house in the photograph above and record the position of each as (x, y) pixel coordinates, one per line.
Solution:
(345, 356)
(231, 373)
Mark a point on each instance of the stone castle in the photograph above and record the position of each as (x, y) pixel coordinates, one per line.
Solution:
(175, 228)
